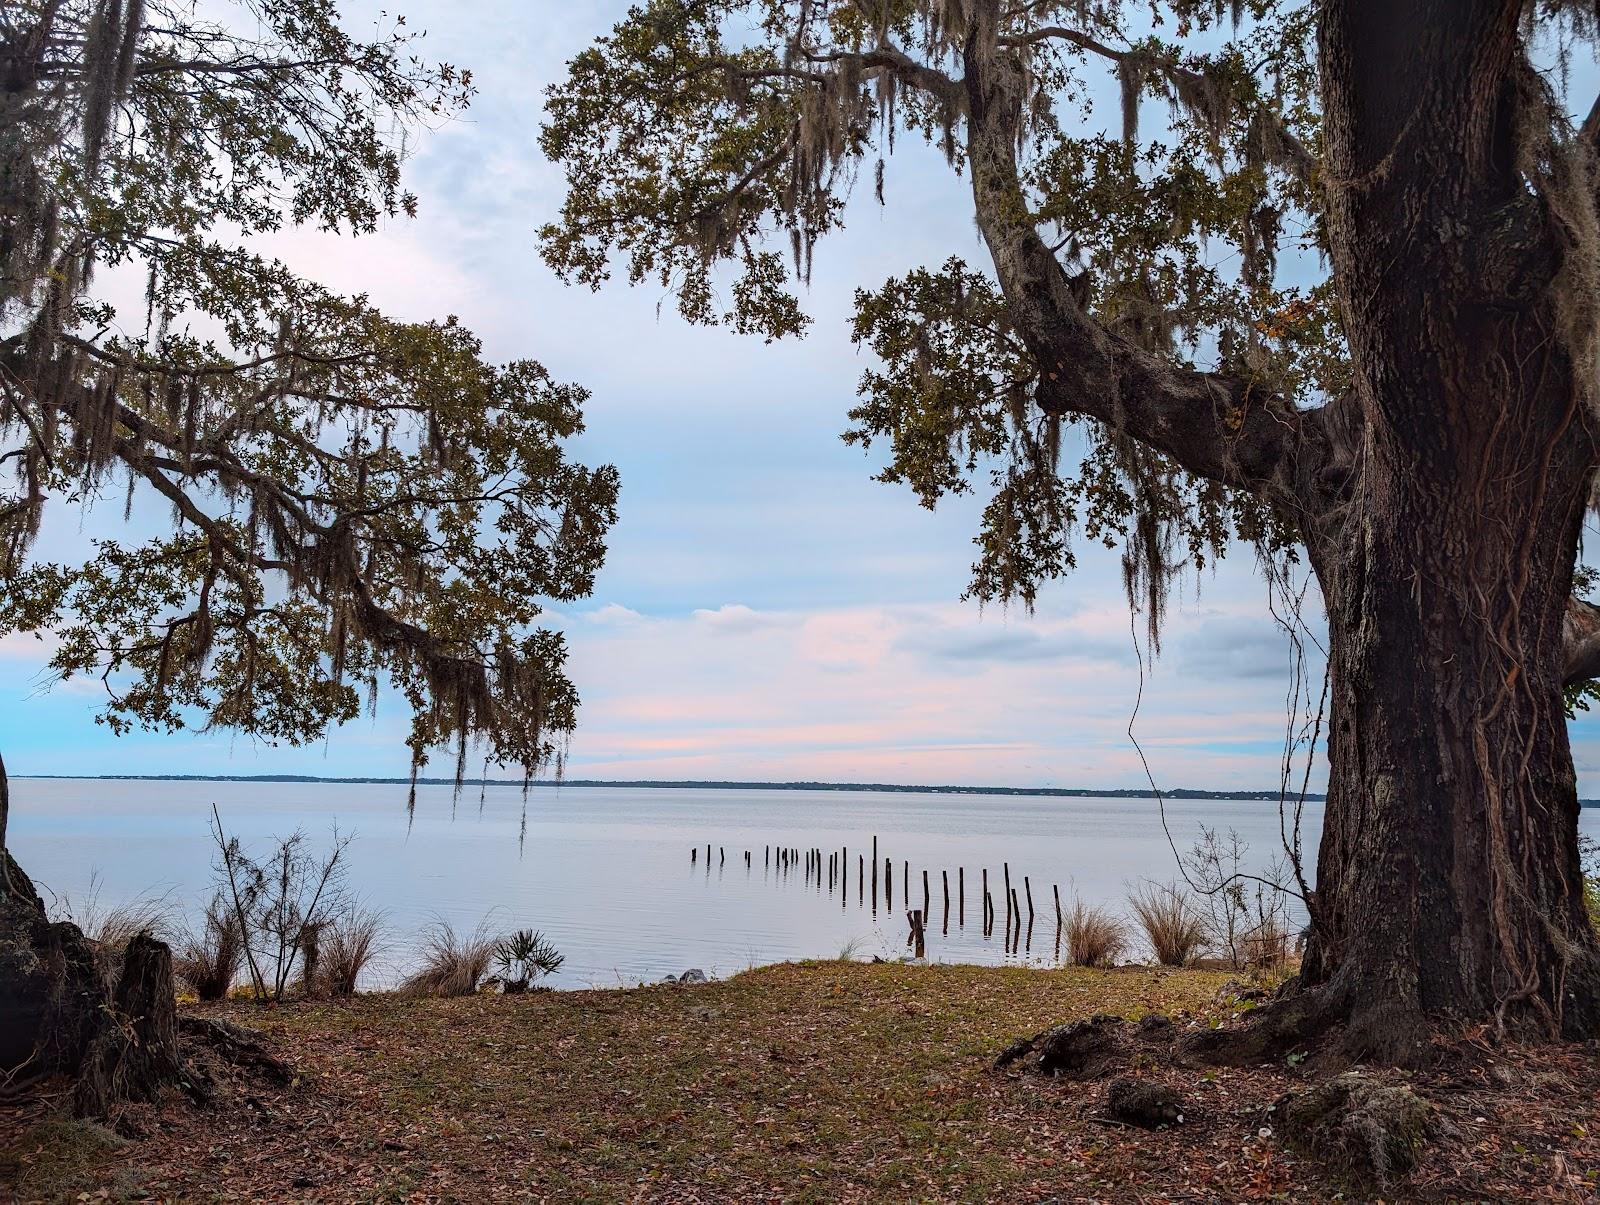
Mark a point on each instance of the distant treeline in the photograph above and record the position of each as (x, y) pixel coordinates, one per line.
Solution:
(721, 785)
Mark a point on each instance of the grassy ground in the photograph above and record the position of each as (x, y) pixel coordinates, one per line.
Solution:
(818, 1081)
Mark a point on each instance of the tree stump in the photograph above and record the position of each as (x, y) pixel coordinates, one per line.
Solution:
(134, 1054)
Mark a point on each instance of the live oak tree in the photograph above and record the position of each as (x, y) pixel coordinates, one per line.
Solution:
(320, 499)
(1418, 423)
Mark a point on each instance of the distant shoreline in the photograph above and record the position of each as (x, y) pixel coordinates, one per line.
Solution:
(693, 784)
(715, 785)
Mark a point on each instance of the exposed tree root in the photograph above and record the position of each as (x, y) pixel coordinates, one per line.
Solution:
(207, 1043)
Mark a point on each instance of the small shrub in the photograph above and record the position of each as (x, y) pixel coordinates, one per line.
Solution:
(1266, 947)
(209, 961)
(1095, 938)
(524, 956)
(1174, 928)
(453, 964)
(348, 951)
(283, 902)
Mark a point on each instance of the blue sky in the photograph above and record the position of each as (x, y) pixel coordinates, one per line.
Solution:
(767, 610)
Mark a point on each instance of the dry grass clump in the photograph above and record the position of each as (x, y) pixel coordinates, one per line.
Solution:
(209, 961)
(116, 927)
(1095, 937)
(350, 947)
(111, 929)
(1172, 925)
(453, 963)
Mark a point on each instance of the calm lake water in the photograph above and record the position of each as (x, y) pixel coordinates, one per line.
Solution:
(606, 872)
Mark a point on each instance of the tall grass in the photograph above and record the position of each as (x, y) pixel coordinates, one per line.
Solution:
(851, 950)
(453, 963)
(208, 961)
(1095, 937)
(348, 951)
(1172, 925)
(111, 929)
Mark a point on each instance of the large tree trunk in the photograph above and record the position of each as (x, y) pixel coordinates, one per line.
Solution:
(1448, 883)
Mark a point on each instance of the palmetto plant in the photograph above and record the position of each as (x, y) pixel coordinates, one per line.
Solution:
(524, 956)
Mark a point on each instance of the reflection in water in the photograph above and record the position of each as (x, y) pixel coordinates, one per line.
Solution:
(634, 884)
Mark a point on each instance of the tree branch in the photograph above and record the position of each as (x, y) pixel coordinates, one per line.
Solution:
(1215, 426)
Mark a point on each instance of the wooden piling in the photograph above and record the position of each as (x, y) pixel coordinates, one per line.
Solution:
(918, 939)
(926, 910)
(861, 881)
(985, 900)
(1029, 890)
(888, 883)
(874, 874)
(694, 855)
(961, 896)
(945, 874)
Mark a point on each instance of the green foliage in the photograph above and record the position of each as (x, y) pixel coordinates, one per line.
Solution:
(355, 500)
(526, 955)
(698, 136)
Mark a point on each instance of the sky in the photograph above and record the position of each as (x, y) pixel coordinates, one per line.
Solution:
(767, 610)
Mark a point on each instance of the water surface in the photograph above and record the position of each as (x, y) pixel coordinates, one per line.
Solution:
(606, 872)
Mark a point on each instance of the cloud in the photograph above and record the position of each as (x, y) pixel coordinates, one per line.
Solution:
(736, 617)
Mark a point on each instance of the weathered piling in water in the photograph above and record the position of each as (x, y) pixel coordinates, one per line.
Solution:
(1016, 914)
(874, 874)
(861, 881)
(888, 883)
(946, 876)
(1006, 896)
(1027, 887)
(694, 855)
(918, 939)
(926, 910)
(961, 896)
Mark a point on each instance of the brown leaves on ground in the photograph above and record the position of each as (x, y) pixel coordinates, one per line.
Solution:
(818, 1081)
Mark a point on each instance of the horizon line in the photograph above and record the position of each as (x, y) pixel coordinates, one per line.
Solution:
(703, 784)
